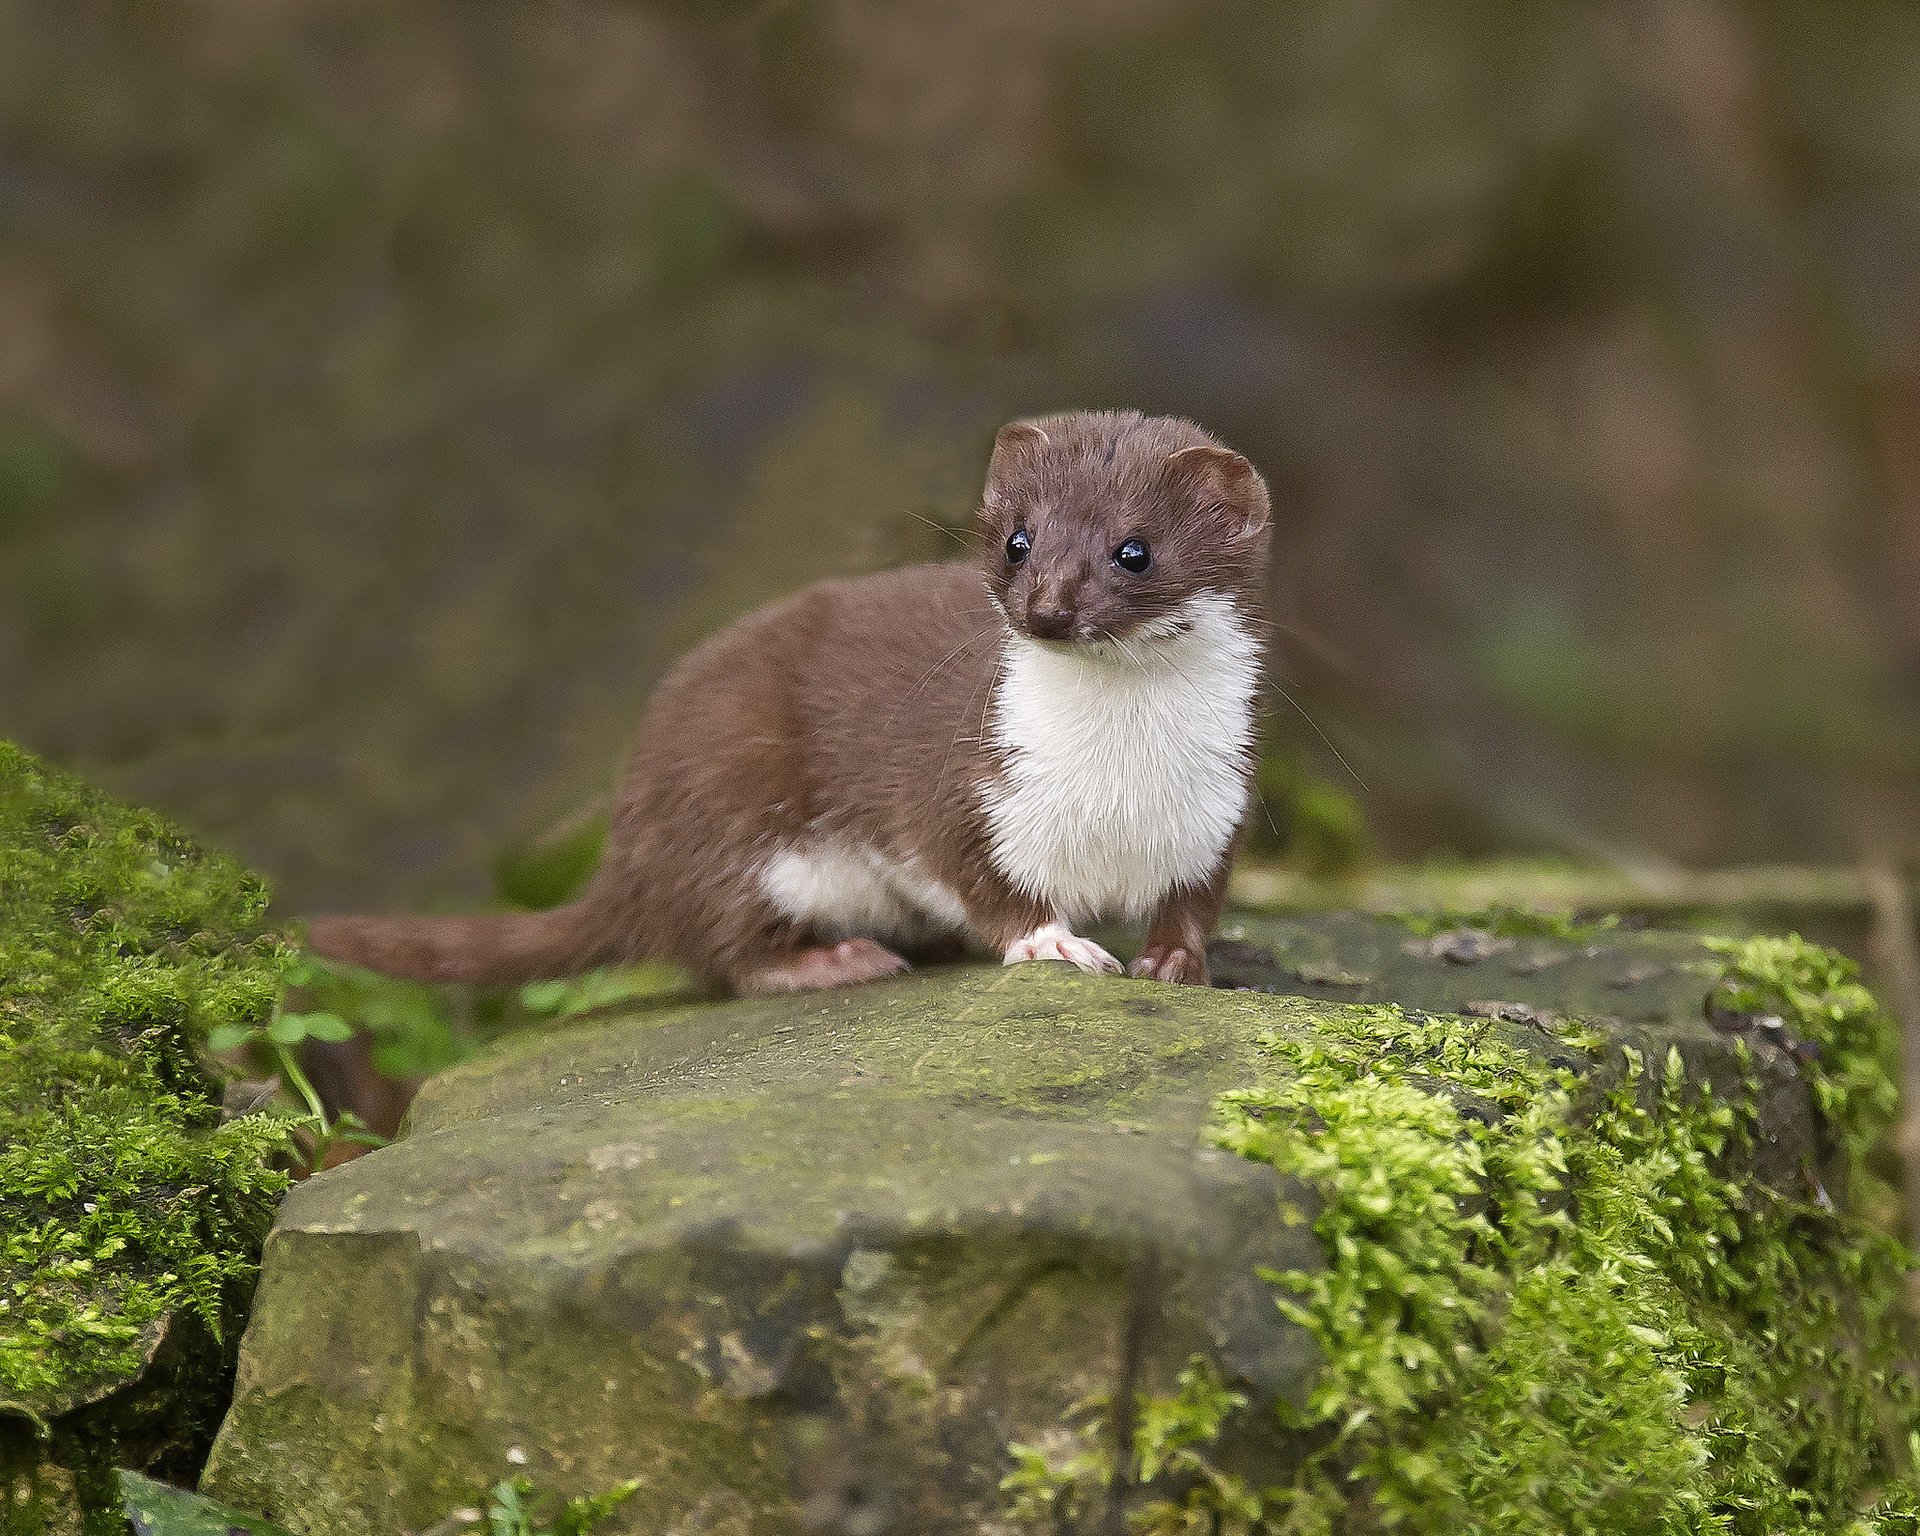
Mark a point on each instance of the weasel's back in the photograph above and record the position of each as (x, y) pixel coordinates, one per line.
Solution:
(868, 680)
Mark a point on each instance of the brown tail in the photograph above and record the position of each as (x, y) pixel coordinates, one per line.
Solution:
(488, 948)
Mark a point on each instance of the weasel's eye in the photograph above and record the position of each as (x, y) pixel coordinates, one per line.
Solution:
(1133, 556)
(1019, 546)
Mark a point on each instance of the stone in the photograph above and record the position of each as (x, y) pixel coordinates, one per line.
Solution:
(822, 1263)
(813, 1254)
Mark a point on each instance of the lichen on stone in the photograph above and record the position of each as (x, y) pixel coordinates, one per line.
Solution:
(128, 1210)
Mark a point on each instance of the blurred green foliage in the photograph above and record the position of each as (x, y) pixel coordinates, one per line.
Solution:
(387, 396)
(551, 869)
(1306, 817)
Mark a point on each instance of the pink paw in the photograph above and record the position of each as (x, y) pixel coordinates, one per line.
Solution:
(1176, 964)
(842, 965)
(1055, 941)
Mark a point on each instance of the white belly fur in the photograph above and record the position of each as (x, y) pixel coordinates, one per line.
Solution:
(1126, 776)
(848, 890)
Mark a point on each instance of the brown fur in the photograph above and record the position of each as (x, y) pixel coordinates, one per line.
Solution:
(858, 710)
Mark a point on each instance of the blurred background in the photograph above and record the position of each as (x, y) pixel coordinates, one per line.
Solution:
(388, 392)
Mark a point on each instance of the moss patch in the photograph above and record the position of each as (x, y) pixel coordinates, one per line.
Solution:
(131, 1215)
(1551, 1309)
(1818, 995)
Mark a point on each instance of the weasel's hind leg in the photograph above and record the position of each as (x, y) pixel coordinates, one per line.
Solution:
(830, 965)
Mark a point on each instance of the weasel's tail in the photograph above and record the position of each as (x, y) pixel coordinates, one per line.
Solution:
(485, 947)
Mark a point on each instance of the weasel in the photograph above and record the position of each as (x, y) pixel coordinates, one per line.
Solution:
(889, 767)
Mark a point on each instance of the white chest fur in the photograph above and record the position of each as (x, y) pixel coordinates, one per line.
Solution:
(1126, 774)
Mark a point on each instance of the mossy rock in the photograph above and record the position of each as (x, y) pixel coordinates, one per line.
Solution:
(131, 1216)
(989, 1251)
(1833, 905)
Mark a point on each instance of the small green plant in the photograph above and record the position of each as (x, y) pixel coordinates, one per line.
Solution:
(1063, 1478)
(416, 1028)
(515, 1507)
(279, 1039)
(567, 996)
(411, 1025)
(1060, 1478)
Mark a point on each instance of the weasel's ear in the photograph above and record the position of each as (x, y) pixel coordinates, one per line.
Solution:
(1015, 444)
(1223, 476)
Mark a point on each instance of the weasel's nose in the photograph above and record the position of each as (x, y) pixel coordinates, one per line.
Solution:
(1052, 620)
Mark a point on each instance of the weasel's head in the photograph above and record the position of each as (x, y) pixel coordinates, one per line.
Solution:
(1103, 528)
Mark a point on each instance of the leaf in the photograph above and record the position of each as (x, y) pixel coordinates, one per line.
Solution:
(327, 1026)
(155, 1509)
(350, 1127)
(292, 1028)
(507, 1513)
(544, 996)
(229, 1037)
(582, 1516)
(288, 1029)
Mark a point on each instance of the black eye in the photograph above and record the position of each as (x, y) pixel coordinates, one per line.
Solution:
(1018, 546)
(1133, 556)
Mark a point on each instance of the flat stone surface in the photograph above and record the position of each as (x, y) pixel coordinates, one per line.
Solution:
(1638, 977)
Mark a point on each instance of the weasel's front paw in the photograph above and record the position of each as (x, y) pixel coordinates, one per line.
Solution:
(1160, 963)
(1054, 941)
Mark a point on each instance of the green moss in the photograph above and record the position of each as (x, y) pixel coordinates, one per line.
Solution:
(1754, 899)
(1536, 1325)
(1553, 1302)
(1065, 1482)
(130, 1212)
(1819, 996)
(1509, 921)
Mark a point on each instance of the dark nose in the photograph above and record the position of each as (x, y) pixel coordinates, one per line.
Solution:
(1051, 619)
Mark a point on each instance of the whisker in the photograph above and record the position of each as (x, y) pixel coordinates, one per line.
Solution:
(1253, 781)
(1126, 650)
(964, 537)
(927, 677)
(1267, 811)
(993, 681)
(1319, 649)
(1315, 725)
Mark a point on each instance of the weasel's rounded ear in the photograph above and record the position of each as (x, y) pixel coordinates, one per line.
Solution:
(1221, 475)
(1014, 444)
